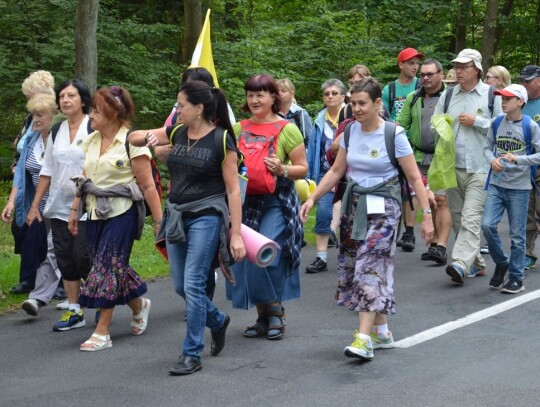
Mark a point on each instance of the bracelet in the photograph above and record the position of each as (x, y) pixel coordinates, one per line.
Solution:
(286, 173)
(74, 209)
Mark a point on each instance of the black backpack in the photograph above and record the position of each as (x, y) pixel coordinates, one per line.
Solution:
(389, 141)
(491, 99)
(56, 127)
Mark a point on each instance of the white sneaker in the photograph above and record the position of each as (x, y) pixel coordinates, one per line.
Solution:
(31, 306)
(63, 306)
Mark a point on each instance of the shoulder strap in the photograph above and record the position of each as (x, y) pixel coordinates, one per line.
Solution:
(391, 96)
(389, 141)
(127, 145)
(495, 126)
(180, 128)
(54, 130)
(526, 124)
(447, 98)
(415, 97)
(418, 84)
(347, 135)
(220, 138)
(491, 99)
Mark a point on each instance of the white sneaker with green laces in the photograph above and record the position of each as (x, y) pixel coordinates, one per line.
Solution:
(382, 342)
(360, 348)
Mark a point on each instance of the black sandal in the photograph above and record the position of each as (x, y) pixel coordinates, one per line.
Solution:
(260, 328)
(276, 322)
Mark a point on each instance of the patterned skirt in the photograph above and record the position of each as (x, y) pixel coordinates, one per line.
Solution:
(111, 281)
(366, 268)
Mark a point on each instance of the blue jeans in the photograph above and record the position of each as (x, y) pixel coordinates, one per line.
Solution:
(515, 202)
(189, 262)
(324, 213)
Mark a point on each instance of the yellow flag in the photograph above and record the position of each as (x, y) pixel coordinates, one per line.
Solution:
(202, 56)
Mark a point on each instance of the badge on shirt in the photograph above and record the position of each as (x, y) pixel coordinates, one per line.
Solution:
(374, 152)
(119, 163)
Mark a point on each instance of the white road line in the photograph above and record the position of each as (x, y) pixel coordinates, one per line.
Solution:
(469, 319)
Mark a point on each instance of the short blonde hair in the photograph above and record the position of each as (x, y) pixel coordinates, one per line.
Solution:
(42, 103)
(287, 84)
(361, 70)
(501, 73)
(38, 82)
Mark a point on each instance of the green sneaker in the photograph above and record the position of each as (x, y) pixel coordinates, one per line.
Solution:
(70, 320)
(360, 348)
(530, 262)
(382, 342)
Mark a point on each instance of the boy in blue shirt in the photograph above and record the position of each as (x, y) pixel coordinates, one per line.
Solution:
(511, 141)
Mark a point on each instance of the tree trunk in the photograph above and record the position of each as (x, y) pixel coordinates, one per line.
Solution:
(489, 34)
(86, 61)
(461, 25)
(192, 28)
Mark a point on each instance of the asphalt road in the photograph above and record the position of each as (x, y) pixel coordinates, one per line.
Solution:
(492, 362)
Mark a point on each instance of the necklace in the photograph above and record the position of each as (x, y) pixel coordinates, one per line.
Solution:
(333, 120)
(189, 145)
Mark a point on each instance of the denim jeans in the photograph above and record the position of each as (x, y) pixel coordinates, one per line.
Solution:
(514, 201)
(189, 262)
(324, 213)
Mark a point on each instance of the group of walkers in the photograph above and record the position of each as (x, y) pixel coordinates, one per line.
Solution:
(82, 189)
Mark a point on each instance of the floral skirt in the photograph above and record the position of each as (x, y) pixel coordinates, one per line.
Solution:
(366, 268)
(111, 281)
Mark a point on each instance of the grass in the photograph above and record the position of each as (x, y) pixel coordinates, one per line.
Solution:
(145, 259)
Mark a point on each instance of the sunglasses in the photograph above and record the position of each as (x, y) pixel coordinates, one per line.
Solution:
(333, 93)
(429, 74)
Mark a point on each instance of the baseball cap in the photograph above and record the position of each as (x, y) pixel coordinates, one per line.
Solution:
(409, 53)
(468, 55)
(529, 72)
(450, 76)
(513, 90)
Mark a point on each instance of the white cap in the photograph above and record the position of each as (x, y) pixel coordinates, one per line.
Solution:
(513, 90)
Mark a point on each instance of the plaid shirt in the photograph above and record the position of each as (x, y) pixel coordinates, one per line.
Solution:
(286, 194)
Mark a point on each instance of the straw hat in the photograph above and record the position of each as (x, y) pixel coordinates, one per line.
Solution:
(450, 76)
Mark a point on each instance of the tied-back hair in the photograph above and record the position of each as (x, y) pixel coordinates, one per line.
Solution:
(369, 85)
(263, 82)
(84, 93)
(115, 103)
(198, 73)
(213, 100)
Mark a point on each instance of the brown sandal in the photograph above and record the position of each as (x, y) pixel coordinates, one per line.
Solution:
(276, 322)
(259, 329)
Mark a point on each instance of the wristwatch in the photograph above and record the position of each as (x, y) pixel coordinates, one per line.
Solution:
(426, 210)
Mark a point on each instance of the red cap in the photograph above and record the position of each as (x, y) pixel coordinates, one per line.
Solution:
(409, 53)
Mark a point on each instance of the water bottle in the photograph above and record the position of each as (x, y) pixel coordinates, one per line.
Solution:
(497, 176)
(243, 172)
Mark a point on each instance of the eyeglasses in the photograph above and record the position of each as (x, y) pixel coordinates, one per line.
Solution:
(333, 93)
(488, 76)
(429, 74)
(462, 67)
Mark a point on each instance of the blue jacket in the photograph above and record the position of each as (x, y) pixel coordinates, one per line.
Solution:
(22, 180)
(314, 146)
(300, 117)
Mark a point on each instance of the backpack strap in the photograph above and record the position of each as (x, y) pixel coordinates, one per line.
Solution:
(181, 128)
(391, 96)
(526, 124)
(54, 130)
(447, 98)
(220, 138)
(415, 97)
(494, 128)
(491, 99)
(347, 135)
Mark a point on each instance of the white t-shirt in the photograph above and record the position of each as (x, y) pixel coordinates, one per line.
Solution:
(62, 161)
(367, 157)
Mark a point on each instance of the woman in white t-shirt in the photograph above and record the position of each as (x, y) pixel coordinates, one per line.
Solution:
(370, 220)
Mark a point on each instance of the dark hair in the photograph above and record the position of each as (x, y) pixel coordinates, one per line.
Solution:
(84, 93)
(431, 61)
(263, 82)
(198, 74)
(370, 85)
(213, 100)
(115, 103)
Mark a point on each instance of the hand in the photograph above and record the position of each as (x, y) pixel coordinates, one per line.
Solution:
(466, 119)
(73, 223)
(427, 229)
(496, 165)
(304, 210)
(273, 164)
(238, 250)
(6, 213)
(431, 199)
(151, 139)
(32, 215)
(511, 158)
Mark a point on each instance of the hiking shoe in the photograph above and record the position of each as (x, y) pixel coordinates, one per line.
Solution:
(399, 243)
(360, 348)
(439, 255)
(408, 242)
(70, 320)
(427, 255)
(63, 306)
(317, 266)
(530, 262)
(382, 342)
(455, 271)
(477, 272)
(498, 277)
(31, 306)
(332, 240)
(513, 286)
(484, 249)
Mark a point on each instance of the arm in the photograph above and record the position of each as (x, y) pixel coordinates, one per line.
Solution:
(149, 138)
(330, 179)
(143, 174)
(230, 171)
(410, 168)
(43, 186)
(534, 158)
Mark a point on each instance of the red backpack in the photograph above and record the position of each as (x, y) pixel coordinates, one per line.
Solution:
(256, 141)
